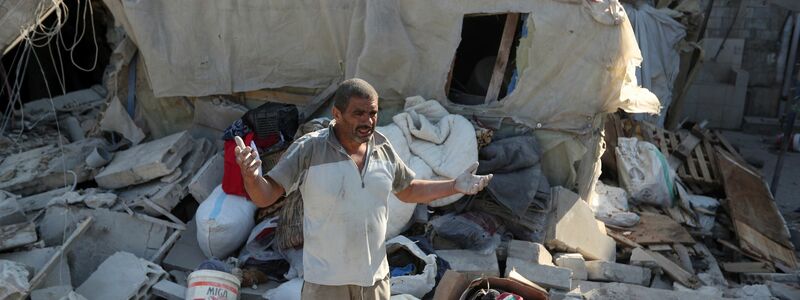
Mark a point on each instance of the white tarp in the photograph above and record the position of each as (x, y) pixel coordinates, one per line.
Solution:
(658, 35)
(580, 56)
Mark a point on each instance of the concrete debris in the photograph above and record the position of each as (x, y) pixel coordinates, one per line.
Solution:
(756, 291)
(77, 101)
(46, 168)
(217, 113)
(207, 178)
(10, 211)
(703, 290)
(169, 290)
(556, 294)
(531, 252)
(37, 258)
(471, 263)
(145, 162)
(544, 275)
(117, 119)
(122, 276)
(608, 271)
(622, 291)
(783, 291)
(111, 232)
(90, 197)
(167, 195)
(73, 296)
(41, 200)
(573, 228)
(639, 257)
(13, 280)
(574, 262)
(185, 254)
(755, 278)
(12, 236)
(52, 293)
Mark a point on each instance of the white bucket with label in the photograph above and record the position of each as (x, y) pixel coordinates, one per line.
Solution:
(212, 285)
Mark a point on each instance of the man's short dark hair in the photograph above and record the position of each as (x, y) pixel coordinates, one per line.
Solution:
(353, 87)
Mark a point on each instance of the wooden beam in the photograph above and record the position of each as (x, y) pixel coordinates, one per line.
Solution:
(675, 271)
(510, 28)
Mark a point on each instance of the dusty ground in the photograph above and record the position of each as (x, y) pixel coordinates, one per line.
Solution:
(761, 147)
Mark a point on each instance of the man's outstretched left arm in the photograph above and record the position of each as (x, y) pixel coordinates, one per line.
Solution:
(424, 191)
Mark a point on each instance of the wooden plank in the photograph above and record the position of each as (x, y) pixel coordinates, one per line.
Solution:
(15, 235)
(748, 267)
(509, 29)
(702, 163)
(674, 271)
(753, 241)
(659, 229)
(750, 202)
(622, 239)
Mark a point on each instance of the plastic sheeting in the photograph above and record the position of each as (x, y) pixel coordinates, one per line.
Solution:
(658, 36)
(577, 60)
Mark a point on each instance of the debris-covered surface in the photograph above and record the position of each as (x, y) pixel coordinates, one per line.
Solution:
(100, 202)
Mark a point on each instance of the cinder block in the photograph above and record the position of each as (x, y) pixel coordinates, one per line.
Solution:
(544, 275)
(529, 251)
(574, 262)
(122, 276)
(608, 271)
(471, 263)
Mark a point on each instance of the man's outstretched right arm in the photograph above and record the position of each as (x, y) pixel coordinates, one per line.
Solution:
(263, 191)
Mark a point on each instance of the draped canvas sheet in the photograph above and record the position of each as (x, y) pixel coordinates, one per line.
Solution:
(578, 59)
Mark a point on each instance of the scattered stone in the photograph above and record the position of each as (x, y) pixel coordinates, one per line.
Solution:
(639, 257)
(185, 254)
(12, 236)
(122, 276)
(528, 251)
(46, 168)
(13, 279)
(622, 291)
(145, 162)
(169, 290)
(10, 211)
(207, 178)
(556, 294)
(614, 272)
(37, 258)
(544, 275)
(574, 262)
(471, 263)
(109, 233)
(782, 291)
(52, 293)
(756, 291)
(168, 195)
(573, 228)
(703, 290)
(586, 286)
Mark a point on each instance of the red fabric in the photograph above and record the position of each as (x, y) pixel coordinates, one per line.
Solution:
(232, 181)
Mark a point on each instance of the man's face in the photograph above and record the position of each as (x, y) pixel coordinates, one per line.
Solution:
(359, 119)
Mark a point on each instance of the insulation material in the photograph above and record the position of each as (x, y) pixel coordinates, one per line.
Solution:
(579, 56)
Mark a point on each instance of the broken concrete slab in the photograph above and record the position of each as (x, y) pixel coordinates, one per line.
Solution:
(544, 275)
(185, 254)
(10, 211)
(37, 258)
(12, 236)
(529, 251)
(80, 100)
(51, 293)
(471, 263)
(614, 272)
(639, 257)
(47, 168)
(167, 195)
(122, 276)
(574, 262)
(41, 200)
(207, 178)
(13, 280)
(783, 291)
(145, 162)
(573, 228)
(622, 291)
(111, 232)
(169, 290)
(117, 119)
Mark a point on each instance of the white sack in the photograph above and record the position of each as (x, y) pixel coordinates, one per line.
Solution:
(415, 285)
(644, 172)
(290, 290)
(223, 223)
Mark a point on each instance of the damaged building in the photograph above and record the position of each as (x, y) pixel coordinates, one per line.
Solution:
(611, 128)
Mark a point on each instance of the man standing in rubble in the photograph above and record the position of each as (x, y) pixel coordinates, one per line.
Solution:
(345, 173)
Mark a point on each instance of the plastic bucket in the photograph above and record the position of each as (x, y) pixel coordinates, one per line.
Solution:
(212, 285)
